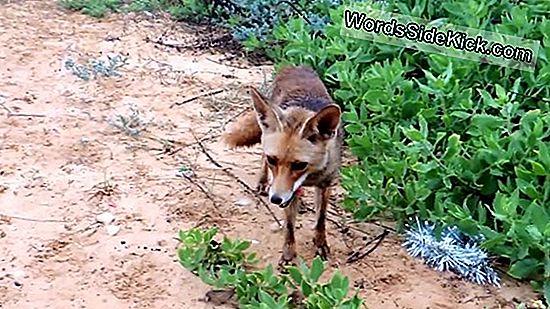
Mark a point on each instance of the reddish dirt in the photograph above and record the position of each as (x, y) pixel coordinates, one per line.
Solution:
(59, 171)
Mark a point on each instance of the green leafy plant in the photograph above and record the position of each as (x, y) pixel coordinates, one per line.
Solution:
(332, 294)
(225, 265)
(196, 11)
(448, 140)
(191, 10)
(95, 8)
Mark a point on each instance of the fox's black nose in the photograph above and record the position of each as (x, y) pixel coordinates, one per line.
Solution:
(275, 199)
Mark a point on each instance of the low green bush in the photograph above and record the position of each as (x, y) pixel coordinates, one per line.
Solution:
(449, 140)
(190, 10)
(225, 265)
(95, 8)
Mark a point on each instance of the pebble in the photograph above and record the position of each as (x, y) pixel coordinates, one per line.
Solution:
(105, 218)
(112, 230)
(243, 202)
(275, 227)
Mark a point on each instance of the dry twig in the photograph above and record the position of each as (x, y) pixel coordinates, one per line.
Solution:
(193, 98)
(104, 188)
(32, 219)
(359, 254)
(10, 113)
(201, 188)
(240, 181)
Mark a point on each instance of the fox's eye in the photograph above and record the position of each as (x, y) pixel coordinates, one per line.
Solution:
(298, 166)
(271, 160)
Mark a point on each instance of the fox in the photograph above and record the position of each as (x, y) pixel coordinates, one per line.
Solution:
(300, 131)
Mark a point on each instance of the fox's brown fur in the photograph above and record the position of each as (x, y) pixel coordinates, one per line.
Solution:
(246, 132)
(300, 131)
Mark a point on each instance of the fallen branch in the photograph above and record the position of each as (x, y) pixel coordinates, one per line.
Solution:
(228, 65)
(33, 220)
(177, 46)
(357, 255)
(12, 114)
(240, 181)
(201, 188)
(193, 98)
(333, 216)
(330, 211)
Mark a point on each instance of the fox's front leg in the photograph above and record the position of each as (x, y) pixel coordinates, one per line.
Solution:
(289, 246)
(322, 196)
(263, 181)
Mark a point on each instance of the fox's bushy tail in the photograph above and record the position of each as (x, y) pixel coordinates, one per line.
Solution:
(245, 132)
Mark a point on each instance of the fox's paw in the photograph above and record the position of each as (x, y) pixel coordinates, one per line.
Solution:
(283, 263)
(322, 251)
(288, 258)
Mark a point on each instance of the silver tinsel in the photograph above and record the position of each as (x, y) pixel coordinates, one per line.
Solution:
(454, 251)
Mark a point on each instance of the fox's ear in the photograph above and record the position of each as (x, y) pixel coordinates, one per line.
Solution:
(323, 125)
(269, 117)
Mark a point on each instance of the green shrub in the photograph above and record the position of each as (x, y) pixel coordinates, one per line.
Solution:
(190, 10)
(94, 8)
(445, 139)
(225, 265)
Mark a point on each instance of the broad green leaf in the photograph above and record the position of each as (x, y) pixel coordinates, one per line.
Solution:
(488, 100)
(295, 274)
(523, 268)
(243, 245)
(469, 226)
(373, 96)
(535, 234)
(460, 114)
(538, 216)
(453, 147)
(317, 268)
(527, 188)
(501, 93)
(529, 118)
(267, 299)
(424, 167)
(423, 126)
(413, 134)
(487, 122)
(306, 288)
(538, 169)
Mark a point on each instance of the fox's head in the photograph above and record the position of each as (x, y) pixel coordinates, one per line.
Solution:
(296, 143)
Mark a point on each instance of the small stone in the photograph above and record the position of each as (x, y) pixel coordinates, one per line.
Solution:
(243, 202)
(112, 230)
(275, 227)
(105, 218)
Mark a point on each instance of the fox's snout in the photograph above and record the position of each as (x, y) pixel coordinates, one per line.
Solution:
(280, 198)
(281, 190)
(275, 199)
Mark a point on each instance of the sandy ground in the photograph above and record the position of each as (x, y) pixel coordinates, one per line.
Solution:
(67, 163)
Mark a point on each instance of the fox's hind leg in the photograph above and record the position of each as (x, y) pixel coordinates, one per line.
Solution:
(322, 196)
(262, 185)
